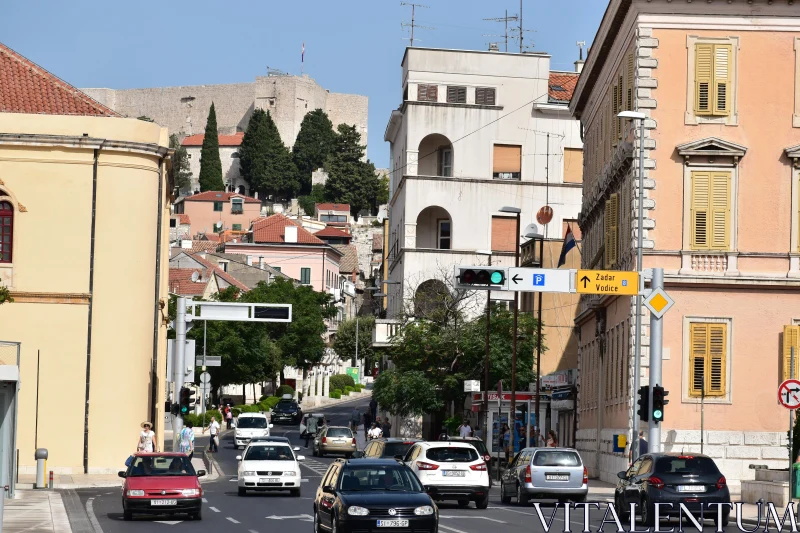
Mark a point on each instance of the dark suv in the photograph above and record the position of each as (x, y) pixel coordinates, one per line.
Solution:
(287, 411)
(691, 479)
(386, 448)
(358, 495)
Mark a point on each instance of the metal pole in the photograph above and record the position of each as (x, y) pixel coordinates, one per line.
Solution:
(486, 361)
(499, 431)
(637, 362)
(539, 343)
(791, 430)
(656, 340)
(412, 24)
(179, 372)
(513, 416)
(36, 430)
(506, 19)
(520, 39)
(528, 426)
(702, 412)
(355, 361)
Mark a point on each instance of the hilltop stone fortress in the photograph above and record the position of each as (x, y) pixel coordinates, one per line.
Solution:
(184, 110)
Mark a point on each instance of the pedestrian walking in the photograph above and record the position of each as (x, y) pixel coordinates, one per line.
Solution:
(477, 433)
(355, 418)
(373, 408)
(228, 416)
(186, 439)
(643, 447)
(387, 428)
(368, 418)
(464, 430)
(147, 439)
(505, 436)
(552, 439)
(213, 433)
(374, 432)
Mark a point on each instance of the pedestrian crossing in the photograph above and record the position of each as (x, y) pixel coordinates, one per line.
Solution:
(318, 467)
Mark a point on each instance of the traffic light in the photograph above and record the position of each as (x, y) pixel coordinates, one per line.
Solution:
(187, 400)
(480, 277)
(175, 409)
(644, 403)
(659, 402)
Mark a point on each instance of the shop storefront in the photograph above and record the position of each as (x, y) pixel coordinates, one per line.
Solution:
(560, 387)
(500, 416)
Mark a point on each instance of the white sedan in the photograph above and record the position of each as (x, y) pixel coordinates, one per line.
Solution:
(268, 466)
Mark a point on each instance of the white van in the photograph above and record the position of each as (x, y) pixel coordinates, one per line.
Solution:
(249, 425)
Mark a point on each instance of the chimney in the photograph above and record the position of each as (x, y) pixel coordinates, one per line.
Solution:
(493, 47)
(579, 65)
(249, 260)
(261, 262)
(291, 233)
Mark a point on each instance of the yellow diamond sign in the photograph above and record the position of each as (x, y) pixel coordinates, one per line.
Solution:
(658, 302)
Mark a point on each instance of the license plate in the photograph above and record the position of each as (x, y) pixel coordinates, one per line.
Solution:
(163, 502)
(453, 473)
(557, 477)
(269, 480)
(392, 523)
(691, 488)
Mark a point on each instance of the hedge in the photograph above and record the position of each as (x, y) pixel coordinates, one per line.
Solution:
(337, 394)
(348, 390)
(340, 381)
(284, 389)
(197, 420)
(269, 403)
(360, 387)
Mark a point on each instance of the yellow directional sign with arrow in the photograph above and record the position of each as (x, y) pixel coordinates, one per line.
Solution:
(616, 282)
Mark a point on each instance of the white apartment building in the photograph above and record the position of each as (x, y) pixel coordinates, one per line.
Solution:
(476, 131)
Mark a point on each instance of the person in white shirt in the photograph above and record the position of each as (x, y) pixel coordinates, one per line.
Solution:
(465, 430)
(213, 431)
(375, 432)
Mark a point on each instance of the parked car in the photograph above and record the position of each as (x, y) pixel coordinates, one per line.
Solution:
(386, 448)
(451, 471)
(334, 439)
(482, 451)
(161, 483)
(691, 479)
(287, 411)
(369, 494)
(269, 466)
(545, 473)
(249, 425)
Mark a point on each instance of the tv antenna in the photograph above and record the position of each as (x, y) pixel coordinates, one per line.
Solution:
(413, 24)
(506, 19)
(580, 45)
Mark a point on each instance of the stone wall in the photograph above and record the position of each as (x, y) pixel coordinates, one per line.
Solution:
(362, 239)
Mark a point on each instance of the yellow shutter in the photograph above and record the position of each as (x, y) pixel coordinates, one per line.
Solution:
(613, 232)
(717, 348)
(699, 211)
(722, 75)
(791, 339)
(703, 78)
(698, 349)
(606, 233)
(720, 211)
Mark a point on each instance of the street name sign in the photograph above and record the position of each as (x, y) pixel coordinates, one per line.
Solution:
(616, 282)
(540, 280)
(789, 394)
(211, 360)
(658, 302)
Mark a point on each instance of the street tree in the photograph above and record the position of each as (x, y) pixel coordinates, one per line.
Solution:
(350, 179)
(315, 142)
(309, 202)
(345, 343)
(210, 165)
(407, 393)
(265, 162)
(181, 175)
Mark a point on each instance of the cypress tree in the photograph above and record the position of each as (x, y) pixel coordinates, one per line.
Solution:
(350, 179)
(265, 161)
(315, 142)
(210, 164)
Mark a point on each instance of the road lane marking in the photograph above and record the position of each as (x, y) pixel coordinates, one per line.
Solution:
(228, 518)
(205, 501)
(451, 529)
(92, 517)
(473, 518)
(214, 509)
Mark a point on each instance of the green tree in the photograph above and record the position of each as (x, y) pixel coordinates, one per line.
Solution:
(383, 191)
(181, 175)
(309, 202)
(266, 163)
(210, 164)
(345, 342)
(408, 393)
(351, 180)
(315, 142)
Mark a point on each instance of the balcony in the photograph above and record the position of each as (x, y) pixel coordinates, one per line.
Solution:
(384, 330)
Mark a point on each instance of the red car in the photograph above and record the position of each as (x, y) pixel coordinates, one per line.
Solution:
(162, 483)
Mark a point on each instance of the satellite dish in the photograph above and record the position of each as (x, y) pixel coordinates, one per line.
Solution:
(195, 276)
(218, 224)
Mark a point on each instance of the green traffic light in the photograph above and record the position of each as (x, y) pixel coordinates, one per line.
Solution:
(497, 277)
(184, 410)
(657, 414)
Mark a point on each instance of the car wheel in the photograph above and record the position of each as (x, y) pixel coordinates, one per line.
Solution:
(562, 500)
(505, 498)
(127, 516)
(295, 493)
(196, 516)
(463, 503)
(483, 503)
(622, 512)
(522, 498)
(242, 491)
(647, 514)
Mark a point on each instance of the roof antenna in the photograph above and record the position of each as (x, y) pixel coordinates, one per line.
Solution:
(580, 45)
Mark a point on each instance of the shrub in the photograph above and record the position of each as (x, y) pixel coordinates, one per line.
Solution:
(269, 403)
(360, 387)
(348, 390)
(340, 381)
(336, 394)
(235, 412)
(284, 389)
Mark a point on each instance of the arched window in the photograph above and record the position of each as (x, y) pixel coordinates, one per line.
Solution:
(6, 231)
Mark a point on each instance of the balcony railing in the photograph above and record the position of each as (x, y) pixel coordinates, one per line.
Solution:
(384, 330)
(710, 263)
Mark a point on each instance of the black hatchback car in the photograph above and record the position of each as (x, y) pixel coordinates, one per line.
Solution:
(691, 479)
(386, 448)
(287, 412)
(359, 495)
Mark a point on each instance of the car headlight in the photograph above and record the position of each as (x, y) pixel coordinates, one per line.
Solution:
(289, 473)
(425, 510)
(248, 473)
(135, 493)
(355, 510)
(191, 492)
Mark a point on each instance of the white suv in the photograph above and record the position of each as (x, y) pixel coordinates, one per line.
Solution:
(249, 425)
(451, 471)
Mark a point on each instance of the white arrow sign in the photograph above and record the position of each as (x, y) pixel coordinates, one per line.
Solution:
(541, 280)
(303, 517)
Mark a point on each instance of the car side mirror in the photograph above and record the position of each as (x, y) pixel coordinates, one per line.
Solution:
(301, 457)
(270, 426)
(622, 475)
(327, 489)
(201, 473)
(296, 449)
(238, 457)
(122, 473)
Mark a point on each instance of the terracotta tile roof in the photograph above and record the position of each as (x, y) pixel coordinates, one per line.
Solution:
(25, 87)
(219, 272)
(333, 207)
(329, 231)
(224, 140)
(272, 230)
(349, 262)
(219, 196)
(203, 246)
(377, 242)
(180, 282)
(562, 86)
(183, 219)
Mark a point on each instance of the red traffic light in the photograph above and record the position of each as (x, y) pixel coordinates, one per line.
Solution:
(468, 277)
(482, 277)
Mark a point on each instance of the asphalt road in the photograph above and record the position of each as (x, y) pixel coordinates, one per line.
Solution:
(225, 511)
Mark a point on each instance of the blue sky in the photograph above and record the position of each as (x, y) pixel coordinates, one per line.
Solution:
(352, 46)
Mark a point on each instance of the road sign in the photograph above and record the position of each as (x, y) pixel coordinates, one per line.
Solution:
(205, 377)
(472, 385)
(616, 282)
(540, 280)
(658, 302)
(240, 312)
(171, 357)
(211, 360)
(789, 394)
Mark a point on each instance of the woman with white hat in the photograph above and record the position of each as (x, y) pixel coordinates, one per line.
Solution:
(147, 439)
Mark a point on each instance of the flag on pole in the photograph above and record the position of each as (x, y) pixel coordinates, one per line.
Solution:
(569, 244)
(303, 53)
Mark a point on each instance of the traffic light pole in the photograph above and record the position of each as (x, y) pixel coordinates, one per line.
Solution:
(656, 342)
(178, 367)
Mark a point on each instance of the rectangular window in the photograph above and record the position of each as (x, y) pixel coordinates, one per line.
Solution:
(573, 165)
(443, 234)
(712, 76)
(791, 339)
(277, 268)
(711, 211)
(456, 94)
(707, 359)
(485, 95)
(173, 223)
(236, 227)
(503, 230)
(446, 162)
(427, 93)
(507, 162)
(305, 276)
(223, 265)
(237, 206)
(333, 218)
(611, 228)
(217, 206)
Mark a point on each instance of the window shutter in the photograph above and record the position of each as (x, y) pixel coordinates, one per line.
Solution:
(717, 348)
(720, 211)
(433, 93)
(619, 105)
(614, 111)
(507, 158)
(422, 92)
(613, 232)
(700, 201)
(484, 96)
(698, 335)
(703, 76)
(456, 94)
(631, 81)
(722, 60)
(607, 234)
(791, 339)
(490, 96)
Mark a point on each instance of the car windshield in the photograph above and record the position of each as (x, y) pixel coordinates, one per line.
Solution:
(339, 432)
(686, 464)
(396, 448)
(270, 439)
(250, 422)
(388, 478)
(161, 465)
(286, 406)
(268, 453)
(560, 458)
(452, 454)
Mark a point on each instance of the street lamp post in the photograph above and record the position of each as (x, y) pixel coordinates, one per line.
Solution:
(540, 237)
(513, 414)
(486, 355)
(634, 115)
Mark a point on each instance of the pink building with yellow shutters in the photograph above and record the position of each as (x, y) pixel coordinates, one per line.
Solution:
(719, 82)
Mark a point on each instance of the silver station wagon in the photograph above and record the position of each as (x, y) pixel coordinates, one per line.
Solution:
(545, 473)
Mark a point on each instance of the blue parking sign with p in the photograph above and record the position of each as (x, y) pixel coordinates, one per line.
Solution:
(538, 280)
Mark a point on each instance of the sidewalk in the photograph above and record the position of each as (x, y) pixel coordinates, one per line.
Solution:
(34, 511)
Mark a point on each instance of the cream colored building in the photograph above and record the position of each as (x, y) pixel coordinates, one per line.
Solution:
(86, 263)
